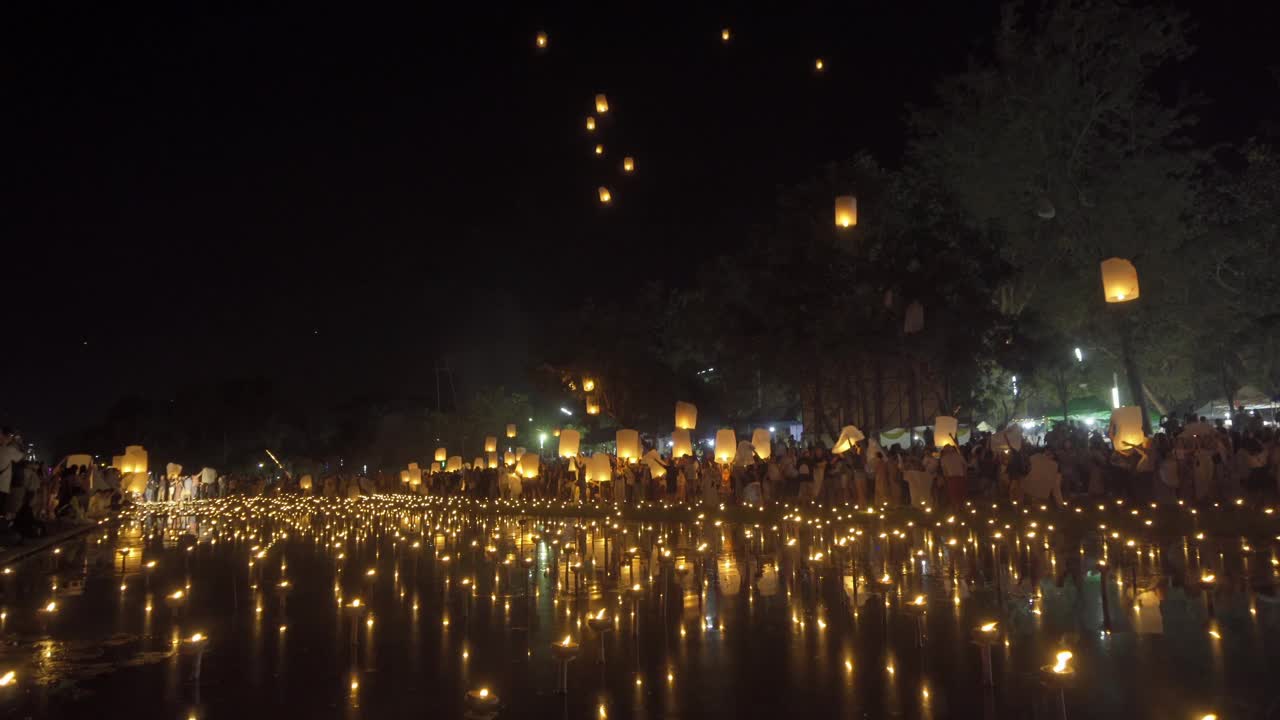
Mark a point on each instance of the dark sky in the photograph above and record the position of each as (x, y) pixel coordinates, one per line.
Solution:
(336, 197)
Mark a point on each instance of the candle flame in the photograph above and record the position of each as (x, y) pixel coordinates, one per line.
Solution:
(567, 641)
(989, 627)
(8, 678)
(484, 692)
(1063, 658)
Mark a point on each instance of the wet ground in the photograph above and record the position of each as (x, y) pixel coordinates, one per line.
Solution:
(384, 608)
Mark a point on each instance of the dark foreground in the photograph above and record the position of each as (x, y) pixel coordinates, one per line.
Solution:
(739, 620)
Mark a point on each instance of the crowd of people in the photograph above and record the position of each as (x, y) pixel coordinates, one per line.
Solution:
(1188, 459)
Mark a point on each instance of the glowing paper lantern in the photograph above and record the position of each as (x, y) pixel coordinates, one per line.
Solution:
(591, 123)
(569, 441)
(540, 40)
(762, 442)
(686, 416)
(846, 211)
(134, 482)
(493, 461)
(606, 197)
(1126, 428)
(602, 103)
(599, 469)
(744, 455)
(725, 35)
(593, 406)
(414, 475)
(1119, 280)
(134, 460)
(555, 432)
(588, 384)
(628, 445)
(529, 465)
(520, 452)
(599, 150)
(726, 445)
(945, 428)
(628, 164)
(681, 444)
(172, 471)
(404, 477)
(441, 454)
(850, 436)
(454, 464)
(508, 458)
(478, 463)
(511, 431)
(818, 65)
(305, 484)
(491, 444)
(654, 461)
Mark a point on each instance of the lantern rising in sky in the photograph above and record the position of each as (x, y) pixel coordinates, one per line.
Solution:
(605, 196)
(599, 149)
(846, 211)
(1119, 280)
(511, 430)
(540, 40)
(602, 103)
(818, 65)
(588, 384)
(628, 164)
(591, 123)
(725, 35)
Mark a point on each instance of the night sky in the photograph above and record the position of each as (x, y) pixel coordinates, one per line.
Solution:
(337, 197)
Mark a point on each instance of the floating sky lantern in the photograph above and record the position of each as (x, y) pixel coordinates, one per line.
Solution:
(819, 65)
(593, 406)
(654, 461)
(442, 454)
(511, 430)
(588, 384)
(1119, 280)
(681, 443)
(599, 149)
(628, 445)
(415, 475)
(171, 470)
(493, 460)
(529, 465)
(846, 211)
(453, 464)
(1126, 428)
(491, 444)
(569, 441)
(849, 438)
(602, 103)
(726, 445)
(134, 460)
(606, 197)
(509, 458)
(945, 430)
(628, 164)
(599, 469)
(591, 123)
(762, 443)
(304, 484)
(540, 40)
(686, 416)
(725, 35)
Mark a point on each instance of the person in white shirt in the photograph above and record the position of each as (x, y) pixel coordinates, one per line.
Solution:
(10, 453)
(1043, 481)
